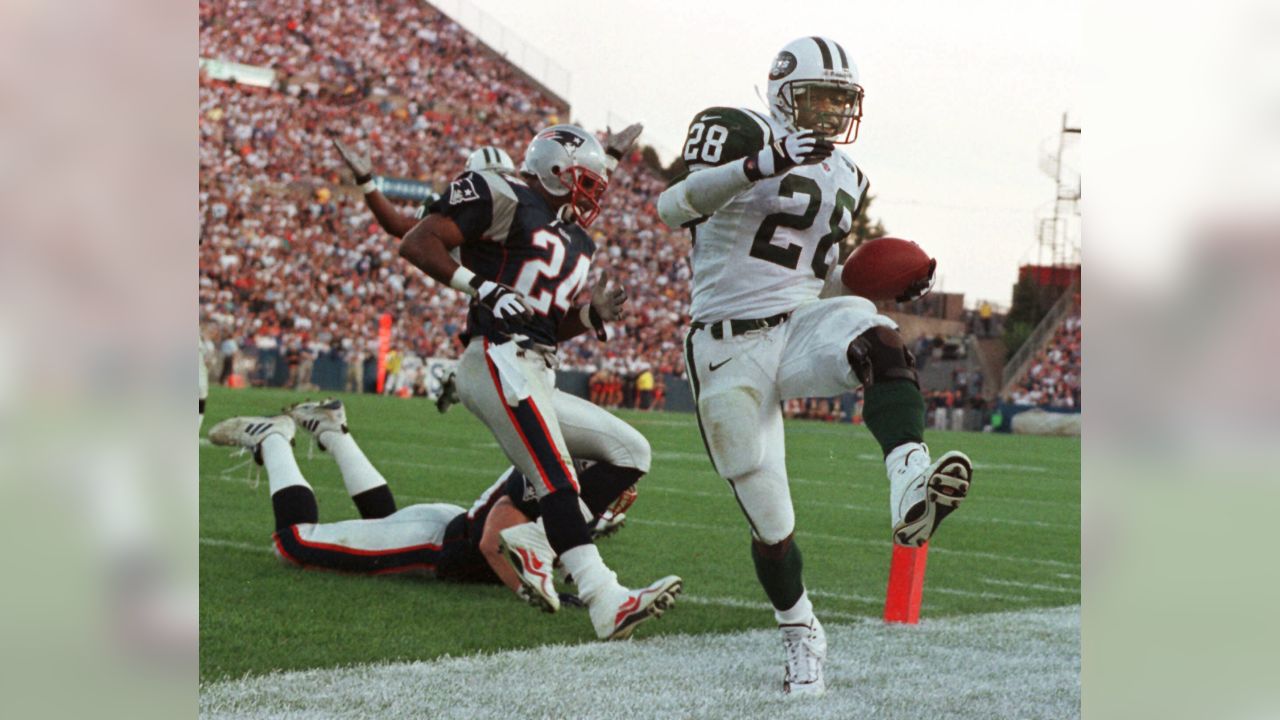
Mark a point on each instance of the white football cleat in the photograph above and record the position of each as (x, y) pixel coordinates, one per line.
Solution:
(924, 495)
(607, 524)
(526, 548)
(317, 417)
(249, 432)
(806, 647)
(616, 618)
(615, 516)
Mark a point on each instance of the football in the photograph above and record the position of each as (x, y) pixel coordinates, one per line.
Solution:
(888, 268)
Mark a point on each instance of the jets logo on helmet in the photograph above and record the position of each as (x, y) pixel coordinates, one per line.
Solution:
(568, 160)
(782, 66)
(813, 85)
(490, 158)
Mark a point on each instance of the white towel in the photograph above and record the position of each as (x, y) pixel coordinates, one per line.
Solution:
(515, 383)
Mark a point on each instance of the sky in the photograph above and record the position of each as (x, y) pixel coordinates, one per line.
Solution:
(961, 100)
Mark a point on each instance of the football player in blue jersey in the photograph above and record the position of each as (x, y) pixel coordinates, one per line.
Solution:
(524, 259)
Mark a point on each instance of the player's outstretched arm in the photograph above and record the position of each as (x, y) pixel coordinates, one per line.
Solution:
(388, 217)
(502, 516)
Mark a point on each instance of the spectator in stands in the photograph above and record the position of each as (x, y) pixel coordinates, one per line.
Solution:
(1053, 378)
(984, 316)
(284, 240)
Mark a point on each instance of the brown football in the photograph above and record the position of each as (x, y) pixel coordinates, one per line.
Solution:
(887, 268)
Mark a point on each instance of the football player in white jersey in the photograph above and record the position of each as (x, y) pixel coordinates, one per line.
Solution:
(767, 198)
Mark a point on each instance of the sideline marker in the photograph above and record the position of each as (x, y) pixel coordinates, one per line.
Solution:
(906, 584)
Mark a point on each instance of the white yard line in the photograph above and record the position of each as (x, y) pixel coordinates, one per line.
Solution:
(1032, 586)
(860, 541)
(982, 595)
(800, 502)
(764, 607)
(1022, 664)
(235, 545)
(978, 465)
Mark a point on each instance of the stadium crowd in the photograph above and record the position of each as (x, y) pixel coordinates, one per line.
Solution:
(1053, 379)
(291, 261)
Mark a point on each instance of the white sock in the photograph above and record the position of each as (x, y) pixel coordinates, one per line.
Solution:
(593, 577)
(282, 469)
(358, 474)
(799, 614)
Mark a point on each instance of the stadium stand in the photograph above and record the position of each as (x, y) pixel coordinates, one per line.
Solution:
(1053, 378)
(294, 269)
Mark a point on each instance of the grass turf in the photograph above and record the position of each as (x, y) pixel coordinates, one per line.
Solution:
(1013, 545)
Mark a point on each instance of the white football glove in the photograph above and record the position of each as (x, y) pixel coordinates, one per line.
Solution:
(617, 146)
(805, 147)
(505, 303)
(361, 165)
(606, 305)
(608, 301)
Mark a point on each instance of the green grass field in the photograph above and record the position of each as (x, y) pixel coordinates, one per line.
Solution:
(1014, 545)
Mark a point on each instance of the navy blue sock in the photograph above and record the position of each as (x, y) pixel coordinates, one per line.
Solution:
(562, 517)
(294, 504)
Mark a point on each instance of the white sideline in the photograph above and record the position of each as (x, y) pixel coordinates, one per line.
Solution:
(1022, 664)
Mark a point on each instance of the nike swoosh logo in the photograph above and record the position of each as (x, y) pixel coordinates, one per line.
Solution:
(714, 367)
(709, 117)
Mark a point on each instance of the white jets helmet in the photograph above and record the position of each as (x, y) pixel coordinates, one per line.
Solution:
(490, 158)
(813, 85)
(568, 160)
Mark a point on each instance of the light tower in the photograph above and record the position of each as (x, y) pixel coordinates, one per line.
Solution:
(1059, 233)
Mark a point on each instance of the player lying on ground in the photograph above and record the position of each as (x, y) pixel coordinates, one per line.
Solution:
(441, 540)
(525, 260)
(767, 199)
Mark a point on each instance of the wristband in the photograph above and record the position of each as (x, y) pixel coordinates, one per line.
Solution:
(369, 186)
(461, 281)
(584, 314)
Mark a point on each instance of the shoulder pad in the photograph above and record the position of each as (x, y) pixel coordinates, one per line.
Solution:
(719, 135)
(486, 188)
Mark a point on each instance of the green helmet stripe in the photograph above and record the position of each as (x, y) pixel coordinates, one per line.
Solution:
(843, 59)
(826, 51)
